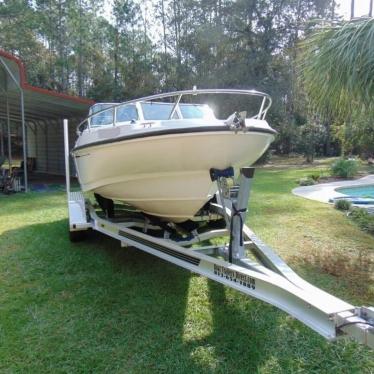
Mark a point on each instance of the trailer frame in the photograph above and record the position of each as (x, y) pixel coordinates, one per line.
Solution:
(243, 262)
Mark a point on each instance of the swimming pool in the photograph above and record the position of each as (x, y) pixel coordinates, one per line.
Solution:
(361, 191)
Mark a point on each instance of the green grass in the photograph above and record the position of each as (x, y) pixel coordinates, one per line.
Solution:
(94, 307)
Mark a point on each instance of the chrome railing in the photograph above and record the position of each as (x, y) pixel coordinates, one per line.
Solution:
(265, 104)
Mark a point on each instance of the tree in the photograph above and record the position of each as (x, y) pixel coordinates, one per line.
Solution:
(337, 68)
(337, 73)
(150, 46)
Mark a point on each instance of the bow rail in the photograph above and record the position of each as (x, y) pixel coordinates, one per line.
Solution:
(264, 107)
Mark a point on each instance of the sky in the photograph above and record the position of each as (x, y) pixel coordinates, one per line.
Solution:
(361, 8)
(343, 9)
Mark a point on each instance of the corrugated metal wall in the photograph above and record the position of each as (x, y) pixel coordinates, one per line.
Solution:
(45, 142)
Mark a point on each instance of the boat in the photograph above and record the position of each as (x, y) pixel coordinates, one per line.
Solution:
(155, 153)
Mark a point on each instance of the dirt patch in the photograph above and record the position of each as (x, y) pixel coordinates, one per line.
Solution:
(356, 268)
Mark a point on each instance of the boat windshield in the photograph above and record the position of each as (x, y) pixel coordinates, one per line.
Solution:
(196, 111)
(124, 113)
(162, 111)
(102, 113)
(127, 113)
(157, 111)
(101, 119)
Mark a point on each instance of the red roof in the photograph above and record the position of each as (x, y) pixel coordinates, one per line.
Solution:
(29, 87)
(39, 103)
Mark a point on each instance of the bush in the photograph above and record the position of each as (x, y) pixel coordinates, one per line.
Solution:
(344, 168)
(265, 158)
(363, 219)
(342, 204)
(306, 182)
(315, 177)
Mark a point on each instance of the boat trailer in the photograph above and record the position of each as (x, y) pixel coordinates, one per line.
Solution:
(244, 262)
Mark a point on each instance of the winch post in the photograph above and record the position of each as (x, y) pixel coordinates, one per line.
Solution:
(66, 154)
(239, 214)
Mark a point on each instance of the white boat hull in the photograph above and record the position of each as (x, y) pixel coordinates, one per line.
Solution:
(166, 175)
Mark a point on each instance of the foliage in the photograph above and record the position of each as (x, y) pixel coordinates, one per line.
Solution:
(311, 139)
(116, 50)
(306, 181)
(357, 135)
(265, 158)
(316, 177)
(337, 67)
(342, 204)
(363, 219)
(157, 45)
(345, 168)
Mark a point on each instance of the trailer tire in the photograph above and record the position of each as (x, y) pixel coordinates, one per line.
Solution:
(77, 236)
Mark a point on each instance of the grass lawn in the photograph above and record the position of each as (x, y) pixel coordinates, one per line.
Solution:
(94, 307)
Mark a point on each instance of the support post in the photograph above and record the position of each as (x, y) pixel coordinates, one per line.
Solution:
(260, 116)
(24, 141)
(2, 139)
(67, 164)
(9, 136)
(239, 214)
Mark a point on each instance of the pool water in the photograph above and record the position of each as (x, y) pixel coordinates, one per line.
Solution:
(362, 191)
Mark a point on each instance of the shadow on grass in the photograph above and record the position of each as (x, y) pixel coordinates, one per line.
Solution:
(94, 306)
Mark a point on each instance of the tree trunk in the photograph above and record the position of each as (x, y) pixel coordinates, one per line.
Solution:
(116, 46)
(164, 39)
(177, 40)
(80, 57)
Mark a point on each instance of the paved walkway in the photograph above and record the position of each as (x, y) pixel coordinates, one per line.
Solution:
(325, 191)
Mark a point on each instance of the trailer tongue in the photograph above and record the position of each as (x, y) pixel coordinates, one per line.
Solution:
(245, 263)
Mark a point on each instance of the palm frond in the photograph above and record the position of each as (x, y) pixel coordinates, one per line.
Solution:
(336, 67)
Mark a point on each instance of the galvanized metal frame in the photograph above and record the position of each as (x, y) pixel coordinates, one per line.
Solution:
(2, 138)
(24, 140)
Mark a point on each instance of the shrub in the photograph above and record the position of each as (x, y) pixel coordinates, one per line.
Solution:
(363, 219)
(344, 168)
(306, 181)
(315, 177)
(265, 158)
(342, 204)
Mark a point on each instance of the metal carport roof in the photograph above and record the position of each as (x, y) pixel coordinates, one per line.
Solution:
(22, 102)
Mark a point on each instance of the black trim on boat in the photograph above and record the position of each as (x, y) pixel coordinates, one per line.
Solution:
(182, 130)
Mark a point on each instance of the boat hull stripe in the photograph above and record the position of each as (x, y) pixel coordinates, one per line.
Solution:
(170, 132)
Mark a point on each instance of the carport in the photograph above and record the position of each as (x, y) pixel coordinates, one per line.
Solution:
(39, 112)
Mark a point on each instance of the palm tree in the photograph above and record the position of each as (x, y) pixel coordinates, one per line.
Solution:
(337, 68)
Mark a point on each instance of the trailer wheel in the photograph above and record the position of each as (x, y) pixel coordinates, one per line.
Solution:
(77, 236)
